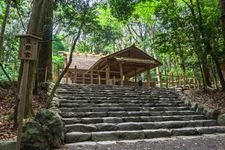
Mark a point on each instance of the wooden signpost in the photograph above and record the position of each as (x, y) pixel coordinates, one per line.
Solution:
(28, 52)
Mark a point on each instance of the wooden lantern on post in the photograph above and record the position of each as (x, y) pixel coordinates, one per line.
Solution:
(28, 51)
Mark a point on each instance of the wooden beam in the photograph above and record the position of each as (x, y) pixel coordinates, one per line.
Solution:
(135, 60)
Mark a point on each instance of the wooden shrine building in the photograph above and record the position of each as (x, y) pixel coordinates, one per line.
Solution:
(115, 69)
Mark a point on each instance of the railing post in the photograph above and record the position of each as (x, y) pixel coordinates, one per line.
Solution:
(91, 76)
(75, 74)
(160, 79)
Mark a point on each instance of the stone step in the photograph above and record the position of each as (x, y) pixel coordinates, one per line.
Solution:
(104, 109)
(114, 97)
(116, 94)
(125, 113)
(118, 99)
(140, 134)
(132, 119)
(91, 103)
(137, 125)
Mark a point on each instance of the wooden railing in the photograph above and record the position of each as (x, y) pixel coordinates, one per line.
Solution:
(159, 80)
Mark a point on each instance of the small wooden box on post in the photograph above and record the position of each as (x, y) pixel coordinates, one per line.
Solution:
(28, 52)
(28, 47)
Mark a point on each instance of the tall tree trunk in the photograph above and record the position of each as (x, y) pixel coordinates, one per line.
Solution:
(45, 56)
(220, 74)
(36, 27)
(3, 30)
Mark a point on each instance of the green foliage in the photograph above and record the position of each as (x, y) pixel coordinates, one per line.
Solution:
(58, 44)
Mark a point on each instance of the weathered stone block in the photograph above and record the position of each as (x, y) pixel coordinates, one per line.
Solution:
(157, 133)
(129, 126)
(105, 136)
(77, 137)
(130, 135)
(106, 127)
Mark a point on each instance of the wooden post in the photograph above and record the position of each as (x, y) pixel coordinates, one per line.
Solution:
(75, 74)
(148, 78)
(22, 93)
(114, 80)
(107, 75)
(121, 74)
(160, 79)
(28, 51)
(99, 78)
(91, 76)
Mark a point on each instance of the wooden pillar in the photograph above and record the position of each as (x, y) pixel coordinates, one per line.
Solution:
(107, 75)
(99, 78)
(160, 79)
(121, 74)
(114, 80)
(148, 78)
(75, 74)
(91, 76)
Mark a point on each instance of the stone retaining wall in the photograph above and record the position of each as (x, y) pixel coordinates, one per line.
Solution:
(201, 108)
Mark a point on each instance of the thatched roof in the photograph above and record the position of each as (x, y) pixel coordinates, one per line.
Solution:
(82, 61)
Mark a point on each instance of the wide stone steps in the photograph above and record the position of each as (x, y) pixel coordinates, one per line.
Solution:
(104, 109)
(125, 113)
(117, 99)
(105, 113)
(137, 125)
(132, 119)
(140, 134)
(131, 104)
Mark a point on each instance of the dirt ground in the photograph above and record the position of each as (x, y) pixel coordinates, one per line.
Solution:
(7, 102)
(212, 98)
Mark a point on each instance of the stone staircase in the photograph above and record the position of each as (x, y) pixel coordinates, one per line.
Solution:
(107, 113)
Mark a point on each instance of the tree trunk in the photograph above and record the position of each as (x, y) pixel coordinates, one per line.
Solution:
(205, 70)
(45, 56)
(220, 74)
(36, 27)
(3, 30)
